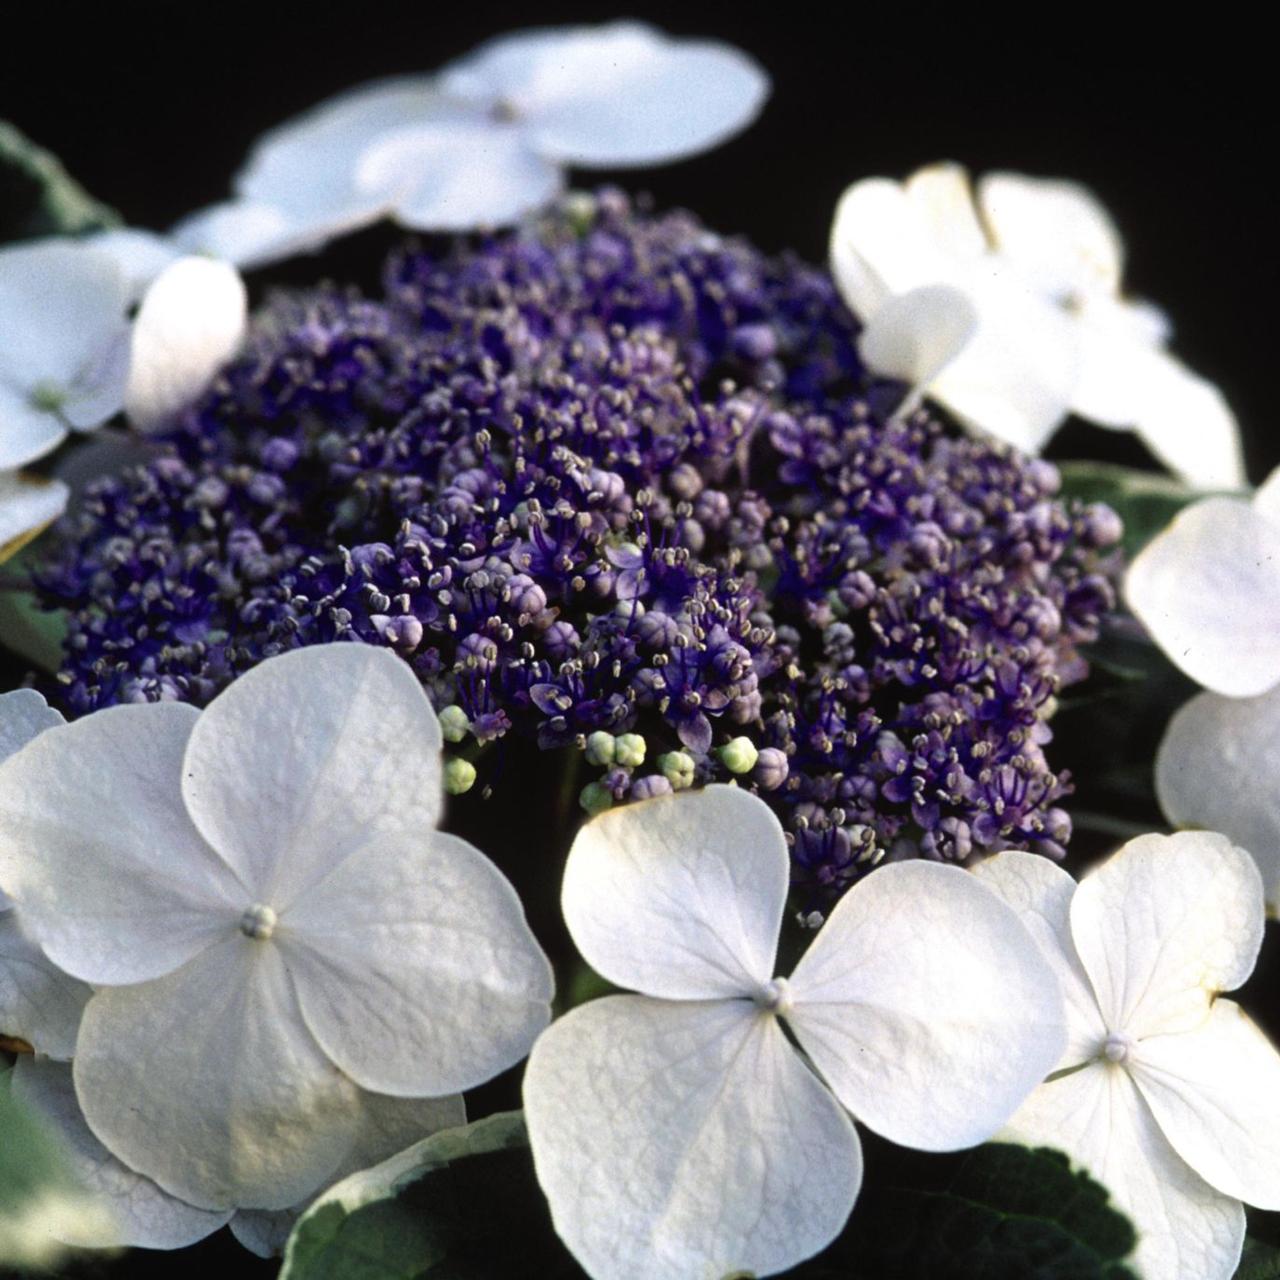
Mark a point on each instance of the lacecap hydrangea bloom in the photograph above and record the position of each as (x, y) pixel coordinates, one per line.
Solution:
(611, 482)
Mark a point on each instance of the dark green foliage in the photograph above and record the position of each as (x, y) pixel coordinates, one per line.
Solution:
(38, 197)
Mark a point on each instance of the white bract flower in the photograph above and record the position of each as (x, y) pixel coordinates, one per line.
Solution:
(1006, 309)
(141, 1215)
(1207, 589)
(677, 1132)
(39, 1004)
(71, 359)
(64, 345)
(1166, 1094)
(270, 921)
(192, 320)
(484, 141)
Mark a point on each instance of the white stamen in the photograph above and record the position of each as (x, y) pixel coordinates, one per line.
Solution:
(258, 922)
(1117, 1048)
(775, 996)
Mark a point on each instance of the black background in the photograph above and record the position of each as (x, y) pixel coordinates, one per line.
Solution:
(154, 105)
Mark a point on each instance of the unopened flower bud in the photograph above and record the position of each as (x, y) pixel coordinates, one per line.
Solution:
(453, 723)
(595, 798)
(600, 748)
(739, 755)
(459, 776)
(678, 769)
(653, 784)
(771, 769)
(629, 749)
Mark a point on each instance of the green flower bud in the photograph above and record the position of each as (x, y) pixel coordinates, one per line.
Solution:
(678, 769)
(600, 748)
(739, 756)
(459, 776)
(595, 798)
(628, 749)
(453, 723)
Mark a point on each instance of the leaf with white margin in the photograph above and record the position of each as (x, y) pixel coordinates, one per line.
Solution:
(192, 320)
(927, 1006)
(39, 1198)
(679, 1139)
(1164, 925)
(1214, 1091)
(1211, 743)
(1208, 591)
(38, 1002)
(24, 715)
(453, 177)
(309, 757)
(113, 892)
(915, 335)
(1186, 1229)
(334, 1234)
(1040, 892)
(1057, 232)
(386, 1126)
(680, 896)
(616, 95)
(415, 968)
(141, 1214)
(235, 1105)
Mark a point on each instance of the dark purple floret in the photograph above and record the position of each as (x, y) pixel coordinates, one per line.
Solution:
(614, 475)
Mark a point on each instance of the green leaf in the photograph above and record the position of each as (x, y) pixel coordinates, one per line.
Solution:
(460, 1205)
(1145, 500)
(1259, 1261)
(38, 197)
(36, 1190)
(27, 630)
(1009, 1211)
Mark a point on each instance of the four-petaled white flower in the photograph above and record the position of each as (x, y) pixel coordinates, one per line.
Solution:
(677, 1132)
(485, 140)
(70, 359)
(1208, 591)
(1006, 309)
(1166, 1094)
(270, 921)
(64, 345)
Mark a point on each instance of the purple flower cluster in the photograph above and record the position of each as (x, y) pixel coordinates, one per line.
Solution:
(615, 485)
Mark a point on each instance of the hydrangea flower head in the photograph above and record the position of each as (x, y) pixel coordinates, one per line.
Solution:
(612, 474)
